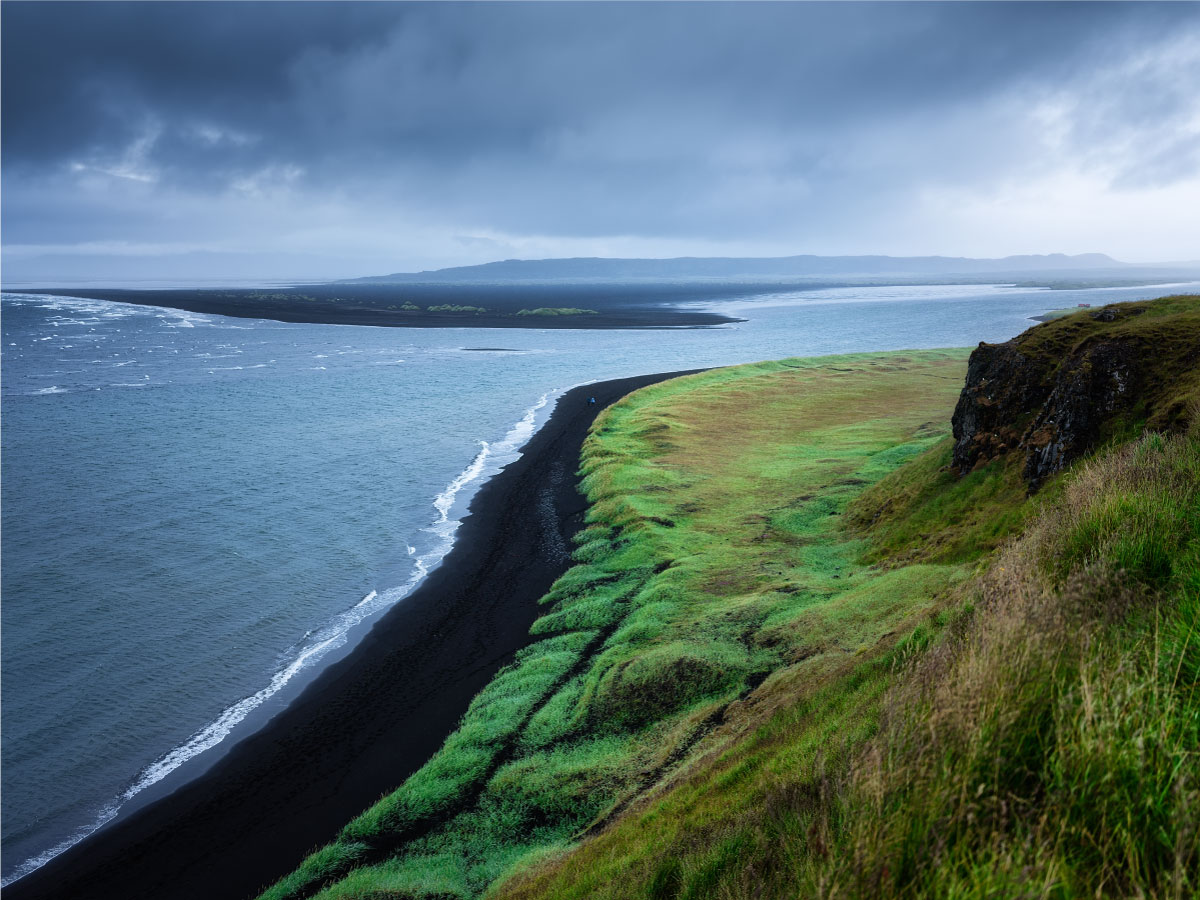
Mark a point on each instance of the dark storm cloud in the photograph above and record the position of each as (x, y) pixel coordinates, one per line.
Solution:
(709, 121)
(76, 74)
(307, 81)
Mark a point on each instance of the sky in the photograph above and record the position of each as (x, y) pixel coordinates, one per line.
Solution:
(311, 140)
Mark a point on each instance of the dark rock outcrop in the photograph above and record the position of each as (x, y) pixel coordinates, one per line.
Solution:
(1059, 389)
(1003, 389)
(1093, 386)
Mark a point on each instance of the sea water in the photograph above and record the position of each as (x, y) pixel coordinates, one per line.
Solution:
(198, 511)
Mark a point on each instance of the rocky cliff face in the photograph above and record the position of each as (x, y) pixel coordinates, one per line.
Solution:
(1093, 386)
(1004, 387)
(1058, 390)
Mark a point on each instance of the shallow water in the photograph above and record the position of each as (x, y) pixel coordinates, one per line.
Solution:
(198, 508)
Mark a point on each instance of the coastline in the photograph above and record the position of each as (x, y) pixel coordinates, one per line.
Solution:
(370, 719)
(381, 306)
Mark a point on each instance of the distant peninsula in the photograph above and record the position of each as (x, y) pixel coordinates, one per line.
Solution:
(602, 293)
(447, 305)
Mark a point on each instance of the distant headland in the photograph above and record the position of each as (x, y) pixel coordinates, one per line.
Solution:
(601, 293)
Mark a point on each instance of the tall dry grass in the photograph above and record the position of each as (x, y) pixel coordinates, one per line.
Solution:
(1049, 746)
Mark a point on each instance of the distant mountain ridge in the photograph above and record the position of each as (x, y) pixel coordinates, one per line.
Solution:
(754, 267)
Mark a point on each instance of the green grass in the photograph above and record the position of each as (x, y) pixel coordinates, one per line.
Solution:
(797, 656)
(713, 558)
(1036, 735)
(557, 311)
(1148, 529)
(1051, 747)
(1053, 314)
(925, 511)
(456, 308)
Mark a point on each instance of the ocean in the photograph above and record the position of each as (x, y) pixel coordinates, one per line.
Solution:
(199, 512)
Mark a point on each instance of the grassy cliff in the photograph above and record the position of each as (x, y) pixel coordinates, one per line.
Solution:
(801, 654)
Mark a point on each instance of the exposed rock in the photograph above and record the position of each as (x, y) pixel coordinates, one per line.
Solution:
(1059, 389)
(1093, 385)
(1003, 387)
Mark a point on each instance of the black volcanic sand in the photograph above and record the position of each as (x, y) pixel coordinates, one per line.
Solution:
(368, 721)
(615, 305)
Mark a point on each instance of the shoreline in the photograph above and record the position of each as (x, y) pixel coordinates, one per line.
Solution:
(368, 720)
(370, 308)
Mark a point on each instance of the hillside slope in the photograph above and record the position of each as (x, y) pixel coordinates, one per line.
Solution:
(1036, 736)
(1057, 391)
(803, 653)
(711, 543)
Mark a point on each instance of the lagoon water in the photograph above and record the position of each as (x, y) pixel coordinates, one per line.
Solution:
(197, 509)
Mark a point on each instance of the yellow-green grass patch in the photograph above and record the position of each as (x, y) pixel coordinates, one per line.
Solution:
(715, 589)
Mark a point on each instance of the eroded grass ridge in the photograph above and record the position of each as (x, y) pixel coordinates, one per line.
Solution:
(713, 559)
(800, 655)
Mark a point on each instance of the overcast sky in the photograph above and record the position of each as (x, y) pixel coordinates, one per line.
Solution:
(309, 140)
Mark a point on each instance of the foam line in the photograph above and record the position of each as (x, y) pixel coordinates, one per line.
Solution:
(317, 644)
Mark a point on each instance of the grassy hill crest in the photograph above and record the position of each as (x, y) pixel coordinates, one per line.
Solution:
(801, 654)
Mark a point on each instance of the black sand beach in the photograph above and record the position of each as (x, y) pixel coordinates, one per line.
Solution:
(371, 719)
